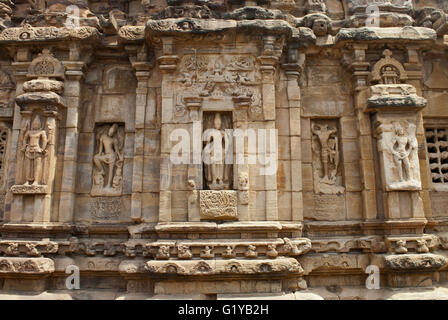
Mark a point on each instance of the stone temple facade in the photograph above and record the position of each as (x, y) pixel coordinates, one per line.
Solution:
(333, 113)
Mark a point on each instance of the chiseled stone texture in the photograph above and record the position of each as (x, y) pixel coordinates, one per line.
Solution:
(223, 150)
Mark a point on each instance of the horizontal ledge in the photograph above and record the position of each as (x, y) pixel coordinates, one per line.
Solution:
(185, 227)
(374, 34)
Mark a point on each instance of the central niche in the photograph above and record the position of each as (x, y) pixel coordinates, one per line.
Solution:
(217, 150)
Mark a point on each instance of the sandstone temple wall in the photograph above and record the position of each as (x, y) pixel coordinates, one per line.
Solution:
(108, 107)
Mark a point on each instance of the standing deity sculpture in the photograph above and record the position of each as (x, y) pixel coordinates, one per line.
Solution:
(401, 150)
(398, 149)
(217, 172)
(108, 162)
(35, 143)
(326, 149)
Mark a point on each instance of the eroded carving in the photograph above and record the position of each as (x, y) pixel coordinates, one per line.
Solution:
(218, 205)
(105, 208)
(108, 161)
(326, 158)
(398, 145)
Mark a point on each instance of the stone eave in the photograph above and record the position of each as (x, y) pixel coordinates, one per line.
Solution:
(42, 98)
(192, 26)
(232, 267)
(379, 35)
(395, 103)
(29, 34)
(383, 7)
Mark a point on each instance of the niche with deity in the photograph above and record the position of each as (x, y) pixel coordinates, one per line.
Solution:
(108, 160)
(36, 147)
(217, 150)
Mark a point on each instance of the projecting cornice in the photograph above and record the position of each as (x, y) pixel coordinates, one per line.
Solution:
(378, 35)
(31, 34)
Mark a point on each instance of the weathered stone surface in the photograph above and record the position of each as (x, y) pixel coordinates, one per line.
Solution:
(406, 34)
(415, 262)
(35, 266)
(211, 149)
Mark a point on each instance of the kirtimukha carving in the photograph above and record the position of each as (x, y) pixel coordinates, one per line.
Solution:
(217, 171)
(398, 146)
(108, 161)
(326, 158)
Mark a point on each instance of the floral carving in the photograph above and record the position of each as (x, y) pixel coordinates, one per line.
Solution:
(218, 205)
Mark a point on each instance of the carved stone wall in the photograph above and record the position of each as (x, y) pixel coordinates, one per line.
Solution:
(331, 124)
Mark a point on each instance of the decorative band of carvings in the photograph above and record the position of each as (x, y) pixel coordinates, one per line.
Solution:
(24, 189)
(225, 249)
(26, 265)
(215, 267)
(28, 33)
(415, 262)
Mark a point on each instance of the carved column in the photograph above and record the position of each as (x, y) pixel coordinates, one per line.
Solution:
(268, 65)
(40, 107)
(20, 66)
(293, 69)
(167, 65)
(359, 67)
(241, 171)
(142, 71)
(74, 76)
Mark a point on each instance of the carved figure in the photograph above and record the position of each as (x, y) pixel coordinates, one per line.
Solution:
(207, 253)
(271, 251)
(108, 162)
(183, 252)
(401, 149)
(251, 251)
(326, 147)
(228, 252)
(400, 246)
(34, 146)
(217, 172)
(390, 75)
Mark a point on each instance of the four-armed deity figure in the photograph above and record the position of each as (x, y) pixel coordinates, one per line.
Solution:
(401, 150)
(217, 172)
(108, 155)
(34, 146)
